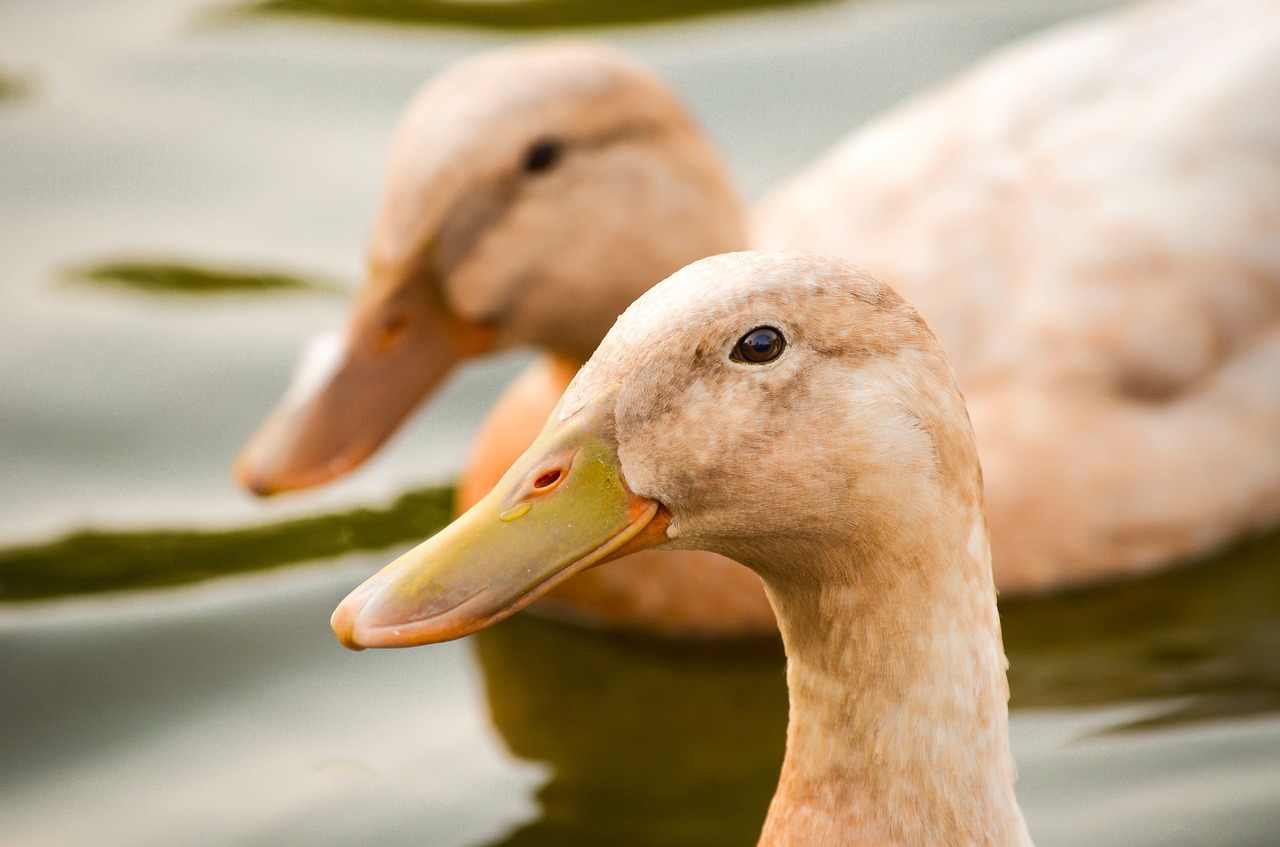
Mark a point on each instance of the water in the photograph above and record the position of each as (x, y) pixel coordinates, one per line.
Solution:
(223, 712)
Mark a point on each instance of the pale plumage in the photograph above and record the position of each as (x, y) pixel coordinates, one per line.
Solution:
(1088, 220)
(842, 470)
(1091, 224)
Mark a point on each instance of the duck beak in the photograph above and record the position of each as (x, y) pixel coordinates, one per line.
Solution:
(562, 508)
(353, 391)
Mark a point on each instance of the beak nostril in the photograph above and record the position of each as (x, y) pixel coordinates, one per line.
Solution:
(547, 479)
(390, 333)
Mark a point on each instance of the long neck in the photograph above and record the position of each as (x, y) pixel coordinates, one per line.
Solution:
(898, 731)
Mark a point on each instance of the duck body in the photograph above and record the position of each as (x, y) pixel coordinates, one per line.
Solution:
(1088, 221)
(857, 499)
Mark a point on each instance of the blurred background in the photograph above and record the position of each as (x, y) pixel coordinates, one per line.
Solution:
(185, 191)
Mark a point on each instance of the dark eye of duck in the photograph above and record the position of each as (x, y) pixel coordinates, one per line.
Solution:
(760, 345)
(542, 155)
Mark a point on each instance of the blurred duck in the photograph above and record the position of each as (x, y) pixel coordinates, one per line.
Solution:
(531, 196)
(1088, 220)
(797, 415)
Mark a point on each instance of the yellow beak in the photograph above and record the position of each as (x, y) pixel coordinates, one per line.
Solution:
(562, 508)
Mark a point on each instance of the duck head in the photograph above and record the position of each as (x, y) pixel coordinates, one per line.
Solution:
(766, 406)
(531, 195)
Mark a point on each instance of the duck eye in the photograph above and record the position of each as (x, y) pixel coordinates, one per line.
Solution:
(760, 345)
(542, 155)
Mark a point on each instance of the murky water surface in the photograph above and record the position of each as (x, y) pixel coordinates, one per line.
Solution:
(179, 189)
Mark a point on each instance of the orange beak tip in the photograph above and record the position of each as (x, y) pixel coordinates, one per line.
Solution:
(246, 478)
(346, 619)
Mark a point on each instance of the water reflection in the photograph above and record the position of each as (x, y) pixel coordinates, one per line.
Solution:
(1209, 633)
(520, 14)
(176, 277)
(13, 87)
(89, 561)
(650, 742)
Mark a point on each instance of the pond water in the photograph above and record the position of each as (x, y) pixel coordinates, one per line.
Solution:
(165, 145)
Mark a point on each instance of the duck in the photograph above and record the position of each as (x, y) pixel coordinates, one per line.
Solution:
(794, 414)
(499, 169)
(1087, 220)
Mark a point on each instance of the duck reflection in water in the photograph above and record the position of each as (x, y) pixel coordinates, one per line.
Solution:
(649, 741)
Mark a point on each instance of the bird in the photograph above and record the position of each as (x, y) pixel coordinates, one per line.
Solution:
(795, 414)
(532, 194)
(1087, 219)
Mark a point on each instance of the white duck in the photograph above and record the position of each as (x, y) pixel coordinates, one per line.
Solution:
(797, 415)
(532, 195)
(1088, 220)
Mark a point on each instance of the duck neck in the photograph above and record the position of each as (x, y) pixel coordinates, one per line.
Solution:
(898, 729)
